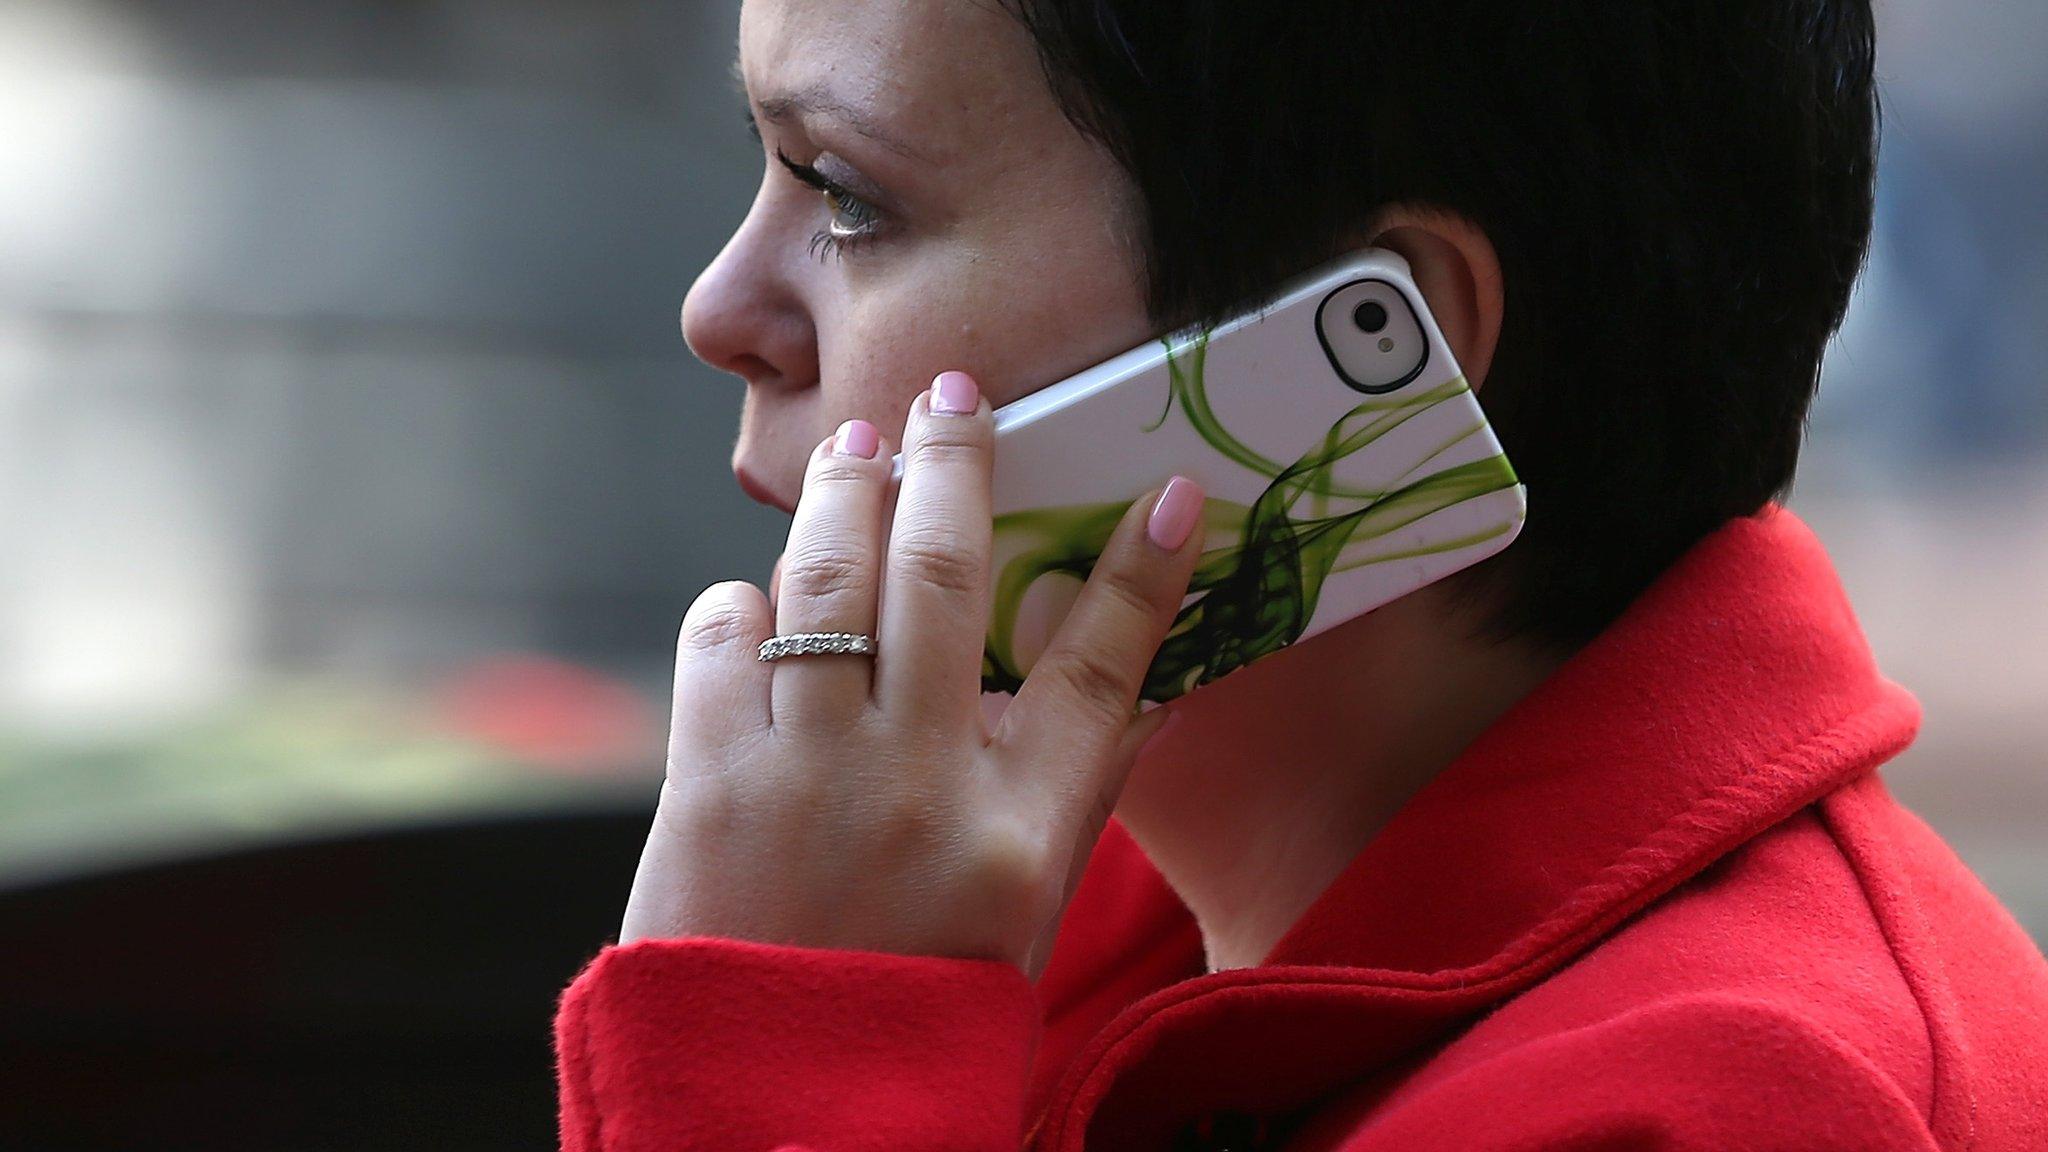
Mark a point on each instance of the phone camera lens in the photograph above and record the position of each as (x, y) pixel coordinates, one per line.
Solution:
(1370, 316)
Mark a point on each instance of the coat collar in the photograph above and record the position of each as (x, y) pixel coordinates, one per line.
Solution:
(1736, 690)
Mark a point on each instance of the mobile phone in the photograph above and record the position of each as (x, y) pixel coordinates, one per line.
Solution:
(1344, 458)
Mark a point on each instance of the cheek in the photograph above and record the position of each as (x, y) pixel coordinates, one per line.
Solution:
(1019, 294)
(1046, 320)
(1052, 293)
(886, 349)
(1016, 325)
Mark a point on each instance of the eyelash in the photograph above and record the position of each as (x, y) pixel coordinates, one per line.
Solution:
(829, 241)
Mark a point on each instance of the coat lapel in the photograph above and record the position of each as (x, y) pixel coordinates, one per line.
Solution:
(1735, 691)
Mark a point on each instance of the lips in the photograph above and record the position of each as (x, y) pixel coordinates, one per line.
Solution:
(758, 491)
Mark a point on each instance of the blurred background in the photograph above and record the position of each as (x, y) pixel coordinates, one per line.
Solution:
(354, 477)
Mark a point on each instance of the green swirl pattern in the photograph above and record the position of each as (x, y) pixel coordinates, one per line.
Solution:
(1263, 565)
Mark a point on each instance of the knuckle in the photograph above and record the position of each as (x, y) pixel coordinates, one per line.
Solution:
(697, 807)
(1094, 681)
(841, 470)
(936, 562)
(1011, 862)
(953, 446)
(722, 614)
(824, 574)
(915, 820)
(1127, 590)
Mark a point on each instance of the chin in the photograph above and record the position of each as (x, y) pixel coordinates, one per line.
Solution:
(760, 490)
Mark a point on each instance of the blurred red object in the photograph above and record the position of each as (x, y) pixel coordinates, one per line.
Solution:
(555, 713)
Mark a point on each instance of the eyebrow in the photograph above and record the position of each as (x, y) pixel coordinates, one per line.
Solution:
(817, 100)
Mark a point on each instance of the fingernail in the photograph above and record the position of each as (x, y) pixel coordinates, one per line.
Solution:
(857, 438)
(1173, 517)
(955, 394)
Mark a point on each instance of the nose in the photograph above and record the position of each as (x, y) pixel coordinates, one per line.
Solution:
(745, 316)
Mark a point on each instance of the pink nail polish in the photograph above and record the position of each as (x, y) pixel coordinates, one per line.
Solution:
(1173, 517)
(857, 438)
(954, 393)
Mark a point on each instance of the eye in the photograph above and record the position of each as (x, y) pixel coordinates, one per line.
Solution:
(853, 219)
(850, 213)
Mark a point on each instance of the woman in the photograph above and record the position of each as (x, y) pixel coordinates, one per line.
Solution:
(1581, 849)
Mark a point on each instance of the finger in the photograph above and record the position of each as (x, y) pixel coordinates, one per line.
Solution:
(831, 573)
(1075, 705)
(889, 502)
(936, 575)
(721, 686)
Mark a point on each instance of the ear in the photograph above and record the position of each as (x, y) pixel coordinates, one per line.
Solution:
(1458, 272)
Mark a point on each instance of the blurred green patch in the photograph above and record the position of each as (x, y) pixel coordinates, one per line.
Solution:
(310, 757)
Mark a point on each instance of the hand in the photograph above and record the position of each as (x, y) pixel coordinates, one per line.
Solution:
(848, 801)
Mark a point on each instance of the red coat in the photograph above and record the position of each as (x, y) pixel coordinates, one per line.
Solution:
(1664, 903)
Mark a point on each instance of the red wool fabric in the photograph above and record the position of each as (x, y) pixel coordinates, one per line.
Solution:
(1664, 903)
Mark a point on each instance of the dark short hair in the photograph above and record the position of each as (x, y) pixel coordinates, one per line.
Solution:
(1679, 191)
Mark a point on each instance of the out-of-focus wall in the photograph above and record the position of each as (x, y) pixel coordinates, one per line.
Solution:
(343, 336)
(1926, 471)
(352, 467)
(341, 401)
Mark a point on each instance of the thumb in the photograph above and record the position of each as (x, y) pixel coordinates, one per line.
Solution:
(1076, 700)
(1140, 732)
(1130, 747)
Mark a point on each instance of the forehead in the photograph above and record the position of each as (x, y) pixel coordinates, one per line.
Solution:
(928, 69)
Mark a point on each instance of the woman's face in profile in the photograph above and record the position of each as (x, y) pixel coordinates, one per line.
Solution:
(925, 205)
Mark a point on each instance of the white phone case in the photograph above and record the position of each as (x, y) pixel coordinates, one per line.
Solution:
(1345, 462)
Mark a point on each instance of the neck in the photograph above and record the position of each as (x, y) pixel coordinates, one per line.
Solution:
(1273, 778)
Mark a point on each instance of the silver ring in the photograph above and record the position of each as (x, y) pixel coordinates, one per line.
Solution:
(816, 644)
